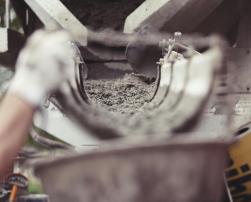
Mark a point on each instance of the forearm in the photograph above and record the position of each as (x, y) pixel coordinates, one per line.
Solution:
(45, 63)
(15, 121)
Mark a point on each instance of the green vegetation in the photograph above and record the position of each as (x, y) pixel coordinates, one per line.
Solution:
(35, 186)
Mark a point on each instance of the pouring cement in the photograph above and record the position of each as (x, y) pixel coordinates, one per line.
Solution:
(121, 95)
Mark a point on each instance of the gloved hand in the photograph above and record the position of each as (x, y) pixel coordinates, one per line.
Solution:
(42, 66)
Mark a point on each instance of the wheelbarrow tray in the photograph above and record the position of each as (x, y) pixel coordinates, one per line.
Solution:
(178, 171)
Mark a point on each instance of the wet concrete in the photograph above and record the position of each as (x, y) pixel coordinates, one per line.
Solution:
(123, 95)
(101, 14)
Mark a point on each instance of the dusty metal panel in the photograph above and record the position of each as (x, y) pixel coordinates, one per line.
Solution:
(240, 74)
(55, 15)
(241, 54)
(244, 38)
(170, 14)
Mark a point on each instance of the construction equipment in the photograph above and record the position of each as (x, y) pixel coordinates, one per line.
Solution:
(173, 19)
(137, 161)
(139, 173)
(174, 16)
(238, 170)
(191, 103)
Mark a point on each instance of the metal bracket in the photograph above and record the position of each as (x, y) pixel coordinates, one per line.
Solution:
(55, 15)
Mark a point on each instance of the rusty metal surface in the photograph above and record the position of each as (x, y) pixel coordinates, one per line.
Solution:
(170, 172)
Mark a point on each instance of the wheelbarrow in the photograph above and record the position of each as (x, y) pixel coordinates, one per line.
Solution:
(177, 171)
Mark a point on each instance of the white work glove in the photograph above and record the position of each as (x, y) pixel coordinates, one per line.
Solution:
(43, 66)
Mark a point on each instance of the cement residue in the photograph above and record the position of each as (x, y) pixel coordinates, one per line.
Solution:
(123, 95)
(119, 108)
(100, 14)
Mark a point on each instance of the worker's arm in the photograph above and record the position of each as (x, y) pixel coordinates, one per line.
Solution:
(15, 120)
(43, 65)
